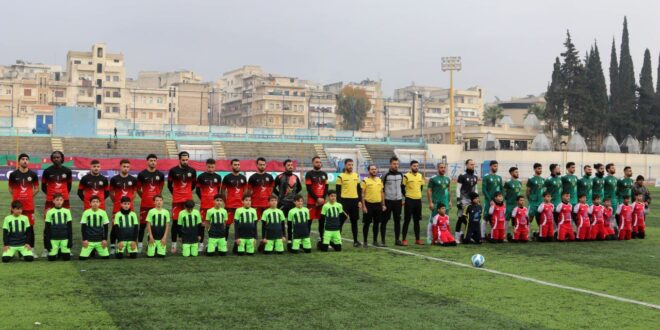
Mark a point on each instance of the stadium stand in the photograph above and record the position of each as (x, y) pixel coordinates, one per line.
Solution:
(98, 147)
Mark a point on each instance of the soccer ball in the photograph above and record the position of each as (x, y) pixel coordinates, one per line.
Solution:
(478, 260)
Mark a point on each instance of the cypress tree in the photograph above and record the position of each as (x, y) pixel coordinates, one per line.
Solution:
(646, 99)
(627, 111)
(613, 105)
(574, 87)
(598, 95)
(554, 107)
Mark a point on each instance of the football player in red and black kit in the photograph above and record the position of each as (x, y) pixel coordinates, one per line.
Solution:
(316, 182)
(23, 185)
(234, 186)
(287, 187)
(121, 185)
(260, 186)
(150, 184)
(93, 184)
(56, 179)
(180, 182)
(208, 185)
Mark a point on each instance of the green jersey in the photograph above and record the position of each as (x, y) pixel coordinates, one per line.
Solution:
(536, 185)
(59, 221)
(585, 187)
(94, 225)
(158, 219)
(273, 219)
(610, 189)
(15, 230)
(246, 222)
(189, 222)
(512, 189)
(332, 213)
(127, 225)
(440, 186)
(491, 184)
(553, 185)
(624, 188)
(569, 185)
(598, 186)
(217, 219)
(298, 217)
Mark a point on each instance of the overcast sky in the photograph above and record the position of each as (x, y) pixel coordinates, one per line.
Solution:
(507, 47)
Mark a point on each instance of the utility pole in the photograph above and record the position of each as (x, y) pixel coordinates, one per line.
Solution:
(451, 64)
(421, 114)
(134, 112)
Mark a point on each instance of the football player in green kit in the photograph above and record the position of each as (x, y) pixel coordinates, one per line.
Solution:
(298, 217)
(569, 183)
(553, 184)
(585, 184)
(158, 228)
(216, 220)
(598, 187)
(535, 188)
(271, 220)
(245, 220)
(512, 190)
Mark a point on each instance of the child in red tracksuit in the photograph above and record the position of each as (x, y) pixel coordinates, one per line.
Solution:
(564, 225)
(597, 213)
(520, 222)
(546, 219)
(497, 213)
(581, 211)
(639, 207)
(608, 214)
(625, 213)
(440, 227)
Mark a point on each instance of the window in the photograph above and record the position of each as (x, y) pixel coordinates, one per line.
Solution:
(99, 99)
(271, 106)
(159, 115)
(116, 94)
(76, 61)
(295, 107)
(107, 93)
(505, 144)
(301, 108)
(8, 91)
(286, 93)
(159, 100)
(302, 93)
(107, 77)
(115, 78)
(99, 68)
(99, 52)
(116, 61)
(27, 92)
(99, 83)
(295, 93)
(107, 109)
(151, 100)
(115, 109)
(59, 93)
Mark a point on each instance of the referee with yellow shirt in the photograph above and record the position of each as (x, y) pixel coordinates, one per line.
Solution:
(413, 183)
(348, 195)
(373, 205)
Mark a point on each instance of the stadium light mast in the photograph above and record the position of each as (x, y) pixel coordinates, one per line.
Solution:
(451, 64)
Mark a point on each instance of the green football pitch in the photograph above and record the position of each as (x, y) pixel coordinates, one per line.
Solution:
(535, 285)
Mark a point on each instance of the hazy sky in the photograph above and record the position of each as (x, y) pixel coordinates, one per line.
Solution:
(507, 47)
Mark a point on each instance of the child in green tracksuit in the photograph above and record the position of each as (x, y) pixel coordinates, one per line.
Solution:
(190, 225)
(94, 227)
(331, 213)
(15, 234)
(127, 226)
(216, 220)
(158, 228)
(298, 219)
(272, 220)
(245, 220)
(59, 230)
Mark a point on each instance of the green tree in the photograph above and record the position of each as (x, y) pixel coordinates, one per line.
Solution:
(613, 104)
(627, 111)
(492, 114)
(353, 105)
(554, 106)
(574, 85)
(597, 89)
(655, 115)
(537, 110)
(646, 99)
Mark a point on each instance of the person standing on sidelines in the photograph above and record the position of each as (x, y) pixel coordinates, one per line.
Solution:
(56, 179)
(535, 188)
(437, 193)
(93, 184)
(490, 184)
(208, 185)
(639, 188)
(348, 195)
(287, 187)
(585, 184)
(413, 184)
(393, 188)
(23, 186)
(316, 182)
(150, 184)
(180, 182)
(569, 183)
(466, 184)
(373, 205)
(260, 187)
(234, 186)
(598, 182)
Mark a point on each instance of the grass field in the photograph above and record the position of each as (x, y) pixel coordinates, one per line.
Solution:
(357, 288)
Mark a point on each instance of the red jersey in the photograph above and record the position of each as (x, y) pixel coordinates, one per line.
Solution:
(208, 185)
(441, 223)
(637, 213)
(546, 212)
(235, 185)
(56, 180)
(582, 213)
(149, 184)
(607, 214)
(317, 186)
(597, 214)
(565, 213)
(93, 185)
(261, 185)
(498, 216)
(520, 215)
(180, 182)
(626, 214)
(23, 186)
(121, 186)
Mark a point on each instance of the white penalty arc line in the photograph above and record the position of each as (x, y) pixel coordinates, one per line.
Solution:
(519, 277)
